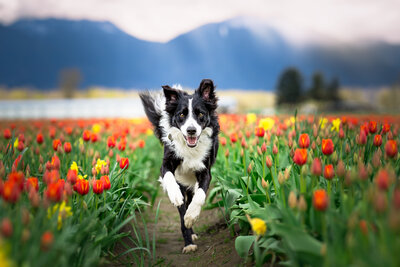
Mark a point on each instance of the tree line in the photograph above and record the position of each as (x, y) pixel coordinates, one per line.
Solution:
(291, 89)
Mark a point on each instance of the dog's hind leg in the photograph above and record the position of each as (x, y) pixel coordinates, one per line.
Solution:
(186, 232)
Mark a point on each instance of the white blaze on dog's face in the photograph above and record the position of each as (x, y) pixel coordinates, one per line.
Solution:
(190, 113)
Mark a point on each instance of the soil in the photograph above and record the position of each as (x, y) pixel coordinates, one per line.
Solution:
(215, 243)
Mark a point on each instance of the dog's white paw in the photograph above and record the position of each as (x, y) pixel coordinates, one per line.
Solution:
(189, 248)
(191, 215)
(175, 196)
(193, 211)
(194, 237)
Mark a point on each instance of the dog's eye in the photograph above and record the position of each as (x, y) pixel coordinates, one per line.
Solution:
(181, 115)
(201, 115)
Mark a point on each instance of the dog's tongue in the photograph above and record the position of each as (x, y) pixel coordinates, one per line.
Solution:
(192, 140)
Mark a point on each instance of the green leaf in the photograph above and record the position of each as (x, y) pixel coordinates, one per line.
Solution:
(243, 244)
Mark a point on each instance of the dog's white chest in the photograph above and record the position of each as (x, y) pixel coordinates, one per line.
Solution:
(185, 175)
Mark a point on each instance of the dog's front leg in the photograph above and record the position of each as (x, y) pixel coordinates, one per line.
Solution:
(170, 185)
(187, 233)
(199, 197)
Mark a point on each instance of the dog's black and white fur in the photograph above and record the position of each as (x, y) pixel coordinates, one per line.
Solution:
(187, 125)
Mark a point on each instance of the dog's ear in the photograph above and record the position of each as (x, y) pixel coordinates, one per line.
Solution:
(171, 94)
(206, 90)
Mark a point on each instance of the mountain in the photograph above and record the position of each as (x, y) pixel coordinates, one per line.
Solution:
(237, 53)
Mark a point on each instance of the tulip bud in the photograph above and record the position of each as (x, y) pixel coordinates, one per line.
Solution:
(318, 141)
(241, 152)
(265, 184)
(334, 157)
(313, 145)
(259, 151)
(376, 160)
(268, 161)
(362, 171)
(287, 172)
(340, 169)
(110, 153)
(264, 148)
(250, 167)
(304, 170)
(302, 204)
(380, 202)
(226, 153)
(292, 200)
(315, 130)
(275, 150)
(281, 178)
(25, 235)
(347, 148)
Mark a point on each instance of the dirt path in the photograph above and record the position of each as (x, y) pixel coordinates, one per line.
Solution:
(215, 246)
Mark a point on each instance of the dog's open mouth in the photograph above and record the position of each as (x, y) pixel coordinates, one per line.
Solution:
(191, 141)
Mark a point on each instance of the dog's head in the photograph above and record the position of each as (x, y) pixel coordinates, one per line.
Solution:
(191, 113)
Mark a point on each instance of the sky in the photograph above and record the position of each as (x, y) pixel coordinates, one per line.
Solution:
(161, 20)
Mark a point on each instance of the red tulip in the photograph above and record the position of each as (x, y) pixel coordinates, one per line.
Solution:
(372, 127)
(56, 144)
(341, 133)
(124, 163)
(223, 141)
(11, 191)
(259, 131)
(98, 186)
(67, 147)
(6, 227)
(391, 148)
(300, 156)
(111, 141)
(94, 137)
(86, 135)
(141, 143)
(382, 179)
(32, 183)
(362, 138)
(329, 172)
(316, 167)
(234, 137)
(385, 128)
(320, 200)
(20, 146)
(304, 140)
(39, 138)
(81, 186)
(106, 182)
(46, 240)
(52, 133)
(7, 133)
(72, 176)
(327, 146)
(54, 191)
(377, 140)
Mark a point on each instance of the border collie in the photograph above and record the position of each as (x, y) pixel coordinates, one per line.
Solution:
(187, 126)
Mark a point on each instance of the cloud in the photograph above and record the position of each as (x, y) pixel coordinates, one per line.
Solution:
(160, 20)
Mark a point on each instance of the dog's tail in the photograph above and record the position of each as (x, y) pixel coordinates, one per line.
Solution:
(154, 104)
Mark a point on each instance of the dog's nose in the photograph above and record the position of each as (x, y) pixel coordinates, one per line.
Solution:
(191, 131)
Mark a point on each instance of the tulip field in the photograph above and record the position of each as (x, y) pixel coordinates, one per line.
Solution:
(295, 190)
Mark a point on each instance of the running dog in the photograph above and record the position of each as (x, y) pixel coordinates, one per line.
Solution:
(187, 126)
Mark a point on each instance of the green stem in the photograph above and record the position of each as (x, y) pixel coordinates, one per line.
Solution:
(329, 187)
(302, 182)
(273, 181)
